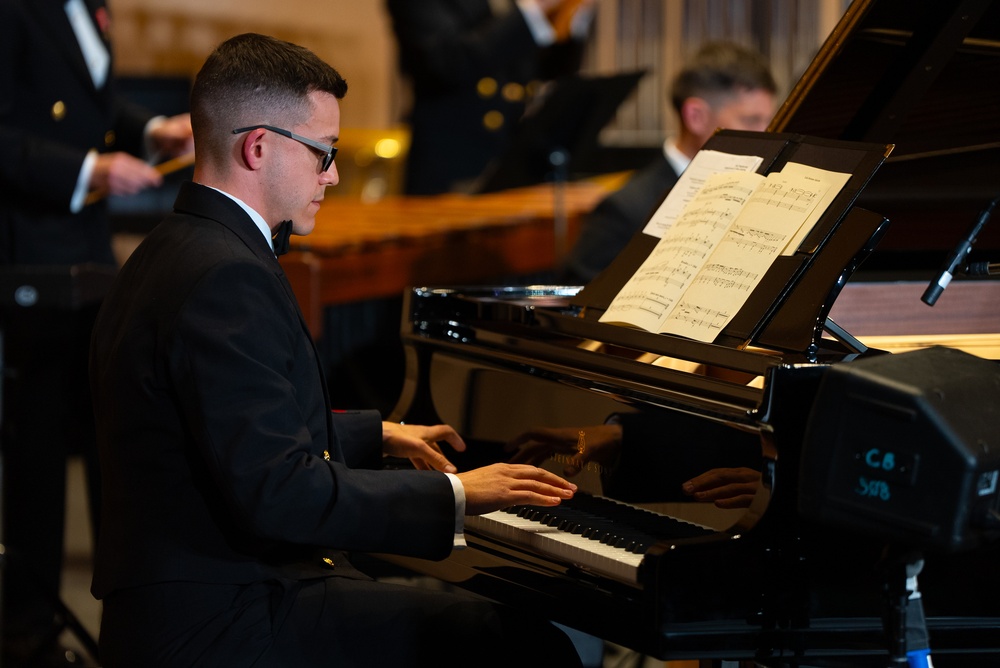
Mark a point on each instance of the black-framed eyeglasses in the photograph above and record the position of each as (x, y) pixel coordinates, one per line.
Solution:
(329, 152)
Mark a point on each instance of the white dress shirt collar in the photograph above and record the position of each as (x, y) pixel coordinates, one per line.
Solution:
(679, 161)
(95, 53)
(258, 220)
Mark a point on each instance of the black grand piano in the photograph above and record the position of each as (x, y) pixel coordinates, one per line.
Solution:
(856, 473)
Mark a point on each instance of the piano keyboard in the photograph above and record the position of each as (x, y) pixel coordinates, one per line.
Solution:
(595, 534)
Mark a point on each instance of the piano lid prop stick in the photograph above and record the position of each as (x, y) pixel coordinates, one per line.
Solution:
(164, 168)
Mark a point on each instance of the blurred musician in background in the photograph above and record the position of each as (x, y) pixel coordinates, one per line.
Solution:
(474, 65)
(65, 133)
(725, 86)
(232, 490)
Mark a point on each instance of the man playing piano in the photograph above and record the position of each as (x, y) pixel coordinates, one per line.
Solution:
(231, 489)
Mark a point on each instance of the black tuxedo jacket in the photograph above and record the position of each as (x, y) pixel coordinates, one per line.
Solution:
(214, 425)
(447, 48)
(51, 114)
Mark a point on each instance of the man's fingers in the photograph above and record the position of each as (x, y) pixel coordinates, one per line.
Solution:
(443, 432)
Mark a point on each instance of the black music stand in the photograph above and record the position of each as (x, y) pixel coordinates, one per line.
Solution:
(787, 310)
(58, 289)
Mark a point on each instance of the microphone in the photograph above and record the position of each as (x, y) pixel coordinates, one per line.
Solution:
(957, 257)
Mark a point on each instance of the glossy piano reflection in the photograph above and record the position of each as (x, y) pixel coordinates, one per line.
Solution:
(631, 465)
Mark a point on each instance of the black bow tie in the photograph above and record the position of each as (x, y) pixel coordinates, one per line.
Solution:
(280, 237)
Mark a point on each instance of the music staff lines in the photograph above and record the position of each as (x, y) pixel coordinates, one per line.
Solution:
(700, 316)
(707, 264)
(779, 196)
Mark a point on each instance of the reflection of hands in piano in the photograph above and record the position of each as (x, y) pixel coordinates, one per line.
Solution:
(576, 447)
(726, 487)
(499, 486)
(419, 444)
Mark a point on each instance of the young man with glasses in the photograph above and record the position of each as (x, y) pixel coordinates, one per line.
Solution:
(233, 491)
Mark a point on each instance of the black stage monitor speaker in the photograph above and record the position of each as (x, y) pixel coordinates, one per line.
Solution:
(907, 447)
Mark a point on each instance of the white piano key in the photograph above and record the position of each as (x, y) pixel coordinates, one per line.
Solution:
(590, 555)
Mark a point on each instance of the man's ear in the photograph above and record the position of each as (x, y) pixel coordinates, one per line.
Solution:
(697, 117)
(253, 148)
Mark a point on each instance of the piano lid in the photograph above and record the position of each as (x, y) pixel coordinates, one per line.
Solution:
(920, 74)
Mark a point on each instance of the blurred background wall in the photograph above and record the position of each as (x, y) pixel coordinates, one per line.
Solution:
(170, 38)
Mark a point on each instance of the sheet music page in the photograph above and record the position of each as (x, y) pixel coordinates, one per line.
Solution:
(703, 165)
(771, 218)
(834, 183)
(648, 297)
(707, 264)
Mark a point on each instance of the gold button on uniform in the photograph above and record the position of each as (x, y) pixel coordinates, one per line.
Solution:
(486, 87)
(493, 120)
(58, 110)
(109, 138)
(513, 92)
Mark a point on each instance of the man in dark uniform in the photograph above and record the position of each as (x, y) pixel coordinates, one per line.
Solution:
(65, 134)
(474, 65)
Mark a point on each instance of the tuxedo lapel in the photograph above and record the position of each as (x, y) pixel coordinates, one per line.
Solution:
(205, 202)
(202, 201)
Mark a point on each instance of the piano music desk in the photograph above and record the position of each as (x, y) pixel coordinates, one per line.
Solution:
(362, 251)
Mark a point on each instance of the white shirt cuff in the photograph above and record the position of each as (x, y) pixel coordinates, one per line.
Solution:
(152, 153)
(79, 197)
(459, 490)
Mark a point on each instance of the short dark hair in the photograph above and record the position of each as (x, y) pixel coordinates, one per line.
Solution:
(251, 79)
(719, 69)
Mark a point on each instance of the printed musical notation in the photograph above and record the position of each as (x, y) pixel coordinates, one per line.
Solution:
(781, 197)
(690, 183)
(699, 317)
(727, 278)
(708, 262)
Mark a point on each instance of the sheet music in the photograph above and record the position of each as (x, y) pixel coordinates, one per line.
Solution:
(834, 181)
(709, 261)
(704, 164)
(654, 290)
